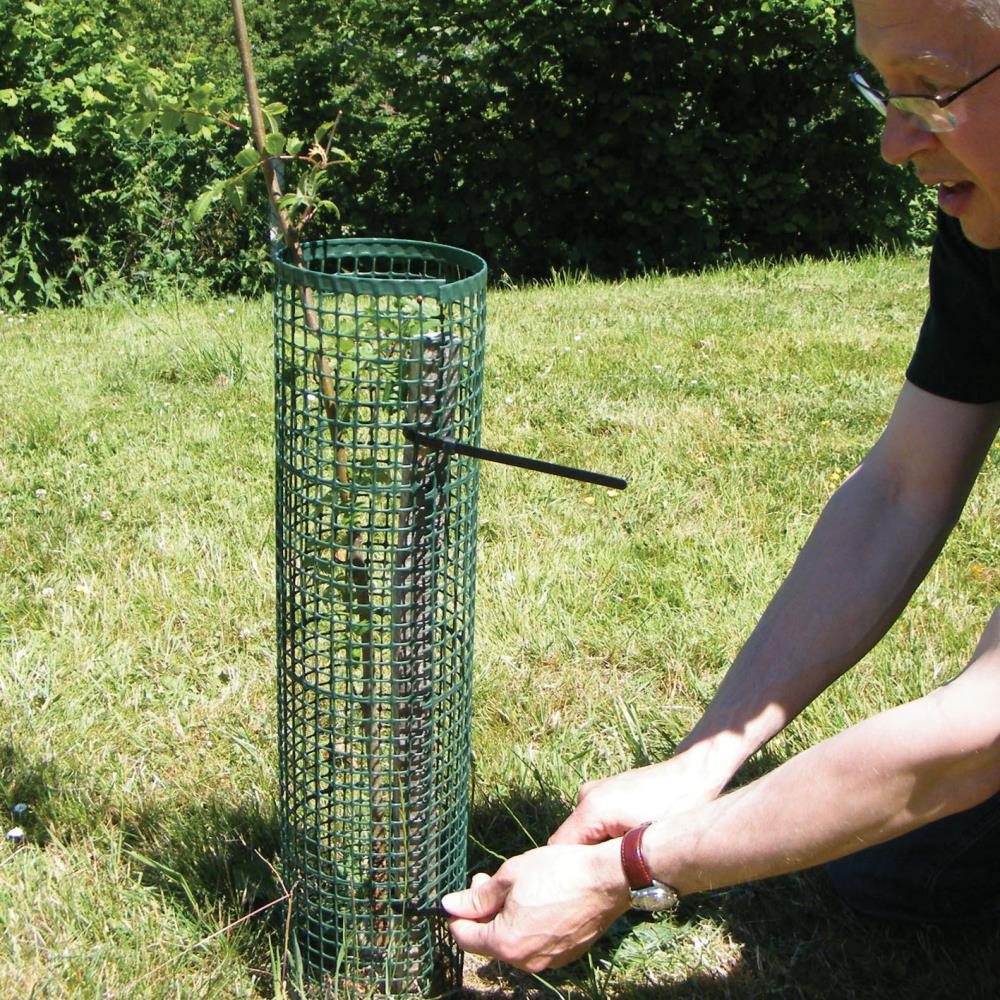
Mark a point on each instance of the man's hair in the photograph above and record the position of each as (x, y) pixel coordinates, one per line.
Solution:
(987, 10)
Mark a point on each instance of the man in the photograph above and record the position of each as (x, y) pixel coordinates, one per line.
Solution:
(916, 789)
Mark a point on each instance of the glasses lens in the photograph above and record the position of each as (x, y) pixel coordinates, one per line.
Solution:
(872, 96)
(929, 116)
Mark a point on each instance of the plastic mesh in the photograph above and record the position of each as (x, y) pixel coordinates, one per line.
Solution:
(376, 542)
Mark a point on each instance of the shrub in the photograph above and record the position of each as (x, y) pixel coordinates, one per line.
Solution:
(58, 73)
(611, 135)
(84, 206)
(602, 134)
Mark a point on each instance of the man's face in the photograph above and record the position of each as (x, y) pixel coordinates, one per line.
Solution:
(935, 47)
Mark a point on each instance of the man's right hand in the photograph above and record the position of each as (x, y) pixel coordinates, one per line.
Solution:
(610, 807)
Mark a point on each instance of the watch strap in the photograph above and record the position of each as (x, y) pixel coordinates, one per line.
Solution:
(633, 863)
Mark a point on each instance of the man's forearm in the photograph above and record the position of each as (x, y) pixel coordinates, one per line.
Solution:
(879, 779)
(882, 778)
(868, 552)
(862, 562)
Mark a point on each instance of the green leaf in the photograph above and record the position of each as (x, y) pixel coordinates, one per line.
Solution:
(275, 108)
(91, 96)
(170, 120)
(275, 144)
(247, 157)
(138, 124)
(236, 196)
(270, 121)
(292, 201)
(199, 96)
(8, 97)
(194, 123)
(204, 201)
(323, 132)
(307, 185)
(149, 97)
(293, 147)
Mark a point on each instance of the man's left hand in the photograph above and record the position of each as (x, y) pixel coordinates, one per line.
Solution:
(542, 909)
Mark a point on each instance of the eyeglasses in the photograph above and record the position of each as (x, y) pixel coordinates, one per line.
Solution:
(929, 112)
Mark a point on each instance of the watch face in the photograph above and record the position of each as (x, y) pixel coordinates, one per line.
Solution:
(653, 898)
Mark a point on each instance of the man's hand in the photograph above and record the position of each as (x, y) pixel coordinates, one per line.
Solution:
(542, 909)
(610, 807)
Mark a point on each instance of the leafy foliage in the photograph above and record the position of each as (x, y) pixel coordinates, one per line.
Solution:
(195, 32)
(200, 111)
(611, 135)
(58, 75)
(605, 135)
(88, 206)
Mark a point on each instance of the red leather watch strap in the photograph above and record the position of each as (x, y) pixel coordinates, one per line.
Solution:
(633, 863)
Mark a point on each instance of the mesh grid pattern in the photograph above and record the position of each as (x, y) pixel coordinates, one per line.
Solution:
(376, 542)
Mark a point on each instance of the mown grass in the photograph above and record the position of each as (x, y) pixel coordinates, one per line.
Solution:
(137, 636)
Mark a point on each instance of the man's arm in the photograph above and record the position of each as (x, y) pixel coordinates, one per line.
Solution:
(873, 544)
(888, 775)
(885, 776)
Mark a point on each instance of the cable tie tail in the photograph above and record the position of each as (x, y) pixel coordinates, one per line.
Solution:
(449, 446)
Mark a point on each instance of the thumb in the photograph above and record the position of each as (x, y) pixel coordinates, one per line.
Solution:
(483, 899)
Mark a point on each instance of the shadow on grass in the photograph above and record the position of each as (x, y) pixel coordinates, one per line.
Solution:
(213, 855)
(795, 938)
(212, 860)
(216, 863)
(31, 783)
(787, 937)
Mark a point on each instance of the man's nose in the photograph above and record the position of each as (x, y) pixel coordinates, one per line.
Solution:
(903, 138)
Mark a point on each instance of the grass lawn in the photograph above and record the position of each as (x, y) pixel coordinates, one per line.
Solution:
(137, 635)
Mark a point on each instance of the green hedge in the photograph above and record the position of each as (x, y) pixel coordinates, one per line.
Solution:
(84, 207)
(613, 136)
(54, 79)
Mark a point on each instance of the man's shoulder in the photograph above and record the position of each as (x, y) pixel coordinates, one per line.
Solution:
(958, 352)
(954, 258)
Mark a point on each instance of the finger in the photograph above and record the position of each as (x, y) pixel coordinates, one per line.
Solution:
(474, 936)
(483, 899)
(577, 829)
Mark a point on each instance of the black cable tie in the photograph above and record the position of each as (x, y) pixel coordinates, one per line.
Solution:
(449, 446)
(405, 909)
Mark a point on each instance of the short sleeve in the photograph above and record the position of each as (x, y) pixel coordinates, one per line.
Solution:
(958, 351)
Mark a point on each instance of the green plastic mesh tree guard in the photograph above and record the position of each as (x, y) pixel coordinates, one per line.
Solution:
(376, 544)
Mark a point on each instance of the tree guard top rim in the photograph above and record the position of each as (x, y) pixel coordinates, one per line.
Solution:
(469, 268)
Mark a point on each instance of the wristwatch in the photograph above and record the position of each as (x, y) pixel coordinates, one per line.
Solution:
(647, 894)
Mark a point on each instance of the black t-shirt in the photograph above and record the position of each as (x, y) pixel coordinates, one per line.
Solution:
(958, 352)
